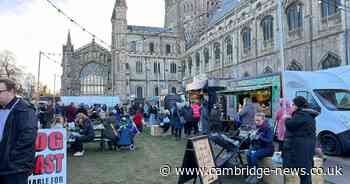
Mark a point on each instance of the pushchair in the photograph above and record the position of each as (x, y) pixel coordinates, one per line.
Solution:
(231, 148)
(127, 133)
(120, 135)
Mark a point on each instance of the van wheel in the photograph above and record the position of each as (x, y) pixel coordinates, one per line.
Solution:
(330, 144)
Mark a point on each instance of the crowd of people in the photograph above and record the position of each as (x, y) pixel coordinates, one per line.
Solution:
(294, 130)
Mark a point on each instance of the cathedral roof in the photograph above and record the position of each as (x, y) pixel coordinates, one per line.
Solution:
(147, 29)
(225, 8)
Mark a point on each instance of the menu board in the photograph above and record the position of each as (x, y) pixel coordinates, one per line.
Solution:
(205, 159)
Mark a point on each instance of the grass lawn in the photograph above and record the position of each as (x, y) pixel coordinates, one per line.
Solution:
(124, 167)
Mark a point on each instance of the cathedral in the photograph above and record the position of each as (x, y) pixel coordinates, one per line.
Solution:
(142, 62)
(217, 39)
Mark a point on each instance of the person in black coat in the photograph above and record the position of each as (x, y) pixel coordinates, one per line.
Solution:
(18, 131)
(86, 134)
(300, 140)
(187, 113)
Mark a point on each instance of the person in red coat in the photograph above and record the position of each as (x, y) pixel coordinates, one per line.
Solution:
(71, 113)
(138, 120)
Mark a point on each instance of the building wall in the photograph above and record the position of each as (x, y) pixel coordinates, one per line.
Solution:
(318, 38)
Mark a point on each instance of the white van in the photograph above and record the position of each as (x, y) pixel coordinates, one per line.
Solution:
(329, 93)
(325, 91)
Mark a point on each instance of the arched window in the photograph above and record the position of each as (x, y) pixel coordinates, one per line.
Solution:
(229, 49)
(329, 7)
(156, 91)
(156, 67)
(173, 90)
(267, 28)
(217, 52)
(139, 67)
(139, 92)
(173, 68)
(268, 70)
(330, 61)
(167, 49)
(93, 79)
(206, 55)
(246, 37)
(198, 59)
(246, 74)
(189, 60)
(295, 66)
(295, 16)
(151, 47)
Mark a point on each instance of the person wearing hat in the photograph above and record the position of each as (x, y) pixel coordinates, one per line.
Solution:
(300, 138)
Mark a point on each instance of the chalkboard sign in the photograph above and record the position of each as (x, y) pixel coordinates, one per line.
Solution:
(198, 155)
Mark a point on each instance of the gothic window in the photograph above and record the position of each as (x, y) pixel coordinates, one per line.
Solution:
(295, 16)
(267, 28)
(139, 67)
(167, 49)
(198, 59)
(156, 91)
(173, 90)
(329, 7)
(190, 64)
(133, 46)
(267, 70)
(295, 66)
(172, 68)
(246, 36)
(151, 47)
(330, 61)
(156, 67)
(229, 49)
(93, 79)
(246, 74)
(206, 55)
(139, 92)
(217, 52)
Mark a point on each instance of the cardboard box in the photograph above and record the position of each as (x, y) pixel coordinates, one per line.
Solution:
(156, 130)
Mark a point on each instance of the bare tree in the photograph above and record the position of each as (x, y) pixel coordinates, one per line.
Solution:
(8, 67)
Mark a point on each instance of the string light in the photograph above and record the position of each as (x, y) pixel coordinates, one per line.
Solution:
(78, 25)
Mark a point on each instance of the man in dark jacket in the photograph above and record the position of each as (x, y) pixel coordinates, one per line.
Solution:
(215, 124)
(300, 140)
(18, 130)
(86, 134)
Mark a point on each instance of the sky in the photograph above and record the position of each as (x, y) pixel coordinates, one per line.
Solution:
(30, 26)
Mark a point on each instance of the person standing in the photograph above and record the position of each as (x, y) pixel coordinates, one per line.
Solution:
(197, 116)
(71, 112)
(247, 114)
(18, 131)
(188, 117)
(214, 118)
(300, 140)
(204, 119)
(280, 128)
(176, 121)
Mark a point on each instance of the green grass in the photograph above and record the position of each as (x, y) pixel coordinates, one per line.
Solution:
(125, 167)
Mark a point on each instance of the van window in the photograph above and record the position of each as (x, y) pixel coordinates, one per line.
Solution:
(334, 99)
(310, 99)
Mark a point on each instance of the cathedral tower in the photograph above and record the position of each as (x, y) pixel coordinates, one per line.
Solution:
(119, 49)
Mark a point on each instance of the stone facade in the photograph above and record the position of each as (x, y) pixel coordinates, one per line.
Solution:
(311, 40)
(142, 61)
